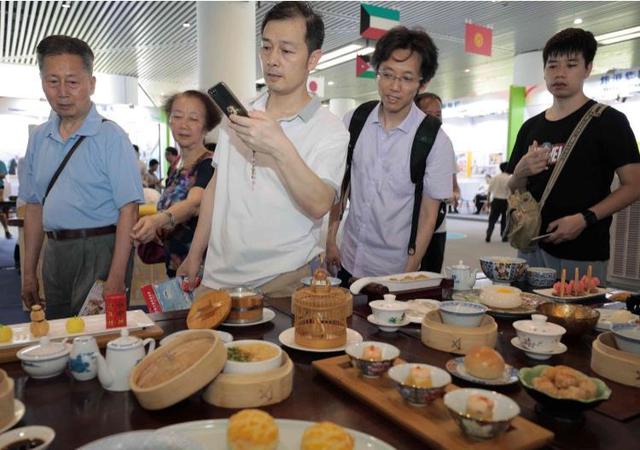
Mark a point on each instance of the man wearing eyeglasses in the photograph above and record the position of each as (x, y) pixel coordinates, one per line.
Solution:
(377, 228)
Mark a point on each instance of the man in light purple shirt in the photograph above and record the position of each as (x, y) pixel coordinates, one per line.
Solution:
(377, 228)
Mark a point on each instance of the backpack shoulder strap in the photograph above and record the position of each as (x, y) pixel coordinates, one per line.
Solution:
(422, 143)
(356, 124)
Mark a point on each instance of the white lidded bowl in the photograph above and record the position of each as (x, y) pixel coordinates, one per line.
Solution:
(505, 410)
(391, 312)
(537, 334)
(462, 314)
(627, 336)
(46, 359)
(253, 367)
(370, 368)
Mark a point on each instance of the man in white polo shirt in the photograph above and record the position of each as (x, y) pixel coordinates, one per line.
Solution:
(277, 172)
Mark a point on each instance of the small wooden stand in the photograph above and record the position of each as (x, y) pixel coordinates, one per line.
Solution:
(455, 339)
(431, 423)
(616, 365)
(251, 390)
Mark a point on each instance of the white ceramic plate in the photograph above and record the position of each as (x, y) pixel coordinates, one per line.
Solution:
(456, 367)
(388, 327)
(400, 282)
(212, 434)
(223, 335)
(540, 356)
(18, 413)
(267, 316)
(94, 326)
(529, 303)
(145, 440)
(568, 298)
(46, 434)
(414, 314)
(287, 337)
(604, 324)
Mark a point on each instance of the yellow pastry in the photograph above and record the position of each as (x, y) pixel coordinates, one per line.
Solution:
(6, 333)
(252, 429)
(419, 377)
(326, 436)
(74, 325)
(39, 326)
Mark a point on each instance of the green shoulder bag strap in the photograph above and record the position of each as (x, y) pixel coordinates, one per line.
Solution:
(62, 165)
(422, 142)
(420, 149)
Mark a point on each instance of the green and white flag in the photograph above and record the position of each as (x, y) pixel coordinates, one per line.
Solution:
(376, 21)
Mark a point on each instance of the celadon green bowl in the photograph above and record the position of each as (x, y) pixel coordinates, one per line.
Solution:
(563, 407)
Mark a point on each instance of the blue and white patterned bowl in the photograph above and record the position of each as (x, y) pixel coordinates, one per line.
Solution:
(627, 336)
(462, 314)
(419, 396)
(541, 277)
(504, 269)
(369, 368)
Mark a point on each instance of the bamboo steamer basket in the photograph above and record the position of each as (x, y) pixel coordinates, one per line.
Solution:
(320, 314)
(455, 339)
(610, 362)
(178, 369)
(6, 398)
(251, 390)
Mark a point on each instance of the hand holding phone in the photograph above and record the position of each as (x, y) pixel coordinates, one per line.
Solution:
(226, 101)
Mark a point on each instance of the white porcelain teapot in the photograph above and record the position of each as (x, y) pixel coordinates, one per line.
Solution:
(122, 355)
(463, 277)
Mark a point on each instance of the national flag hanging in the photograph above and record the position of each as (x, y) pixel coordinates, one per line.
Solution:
(376, 21)
(363, 67)
(477, 39)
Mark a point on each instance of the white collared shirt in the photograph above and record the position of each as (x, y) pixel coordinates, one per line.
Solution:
(259, 232)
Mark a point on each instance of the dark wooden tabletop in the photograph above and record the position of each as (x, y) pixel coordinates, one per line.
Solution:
(81, 412)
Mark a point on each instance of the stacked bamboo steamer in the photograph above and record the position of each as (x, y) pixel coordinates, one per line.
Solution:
(195, 359)
(455, 339)
(610, 362)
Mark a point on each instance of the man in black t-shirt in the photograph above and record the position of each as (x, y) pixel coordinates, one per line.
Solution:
(579, 208)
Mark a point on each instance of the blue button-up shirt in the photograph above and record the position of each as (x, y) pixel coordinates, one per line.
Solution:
(101, 177)
(377, 228)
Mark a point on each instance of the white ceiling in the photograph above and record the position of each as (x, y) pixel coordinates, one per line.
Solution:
(147, 39)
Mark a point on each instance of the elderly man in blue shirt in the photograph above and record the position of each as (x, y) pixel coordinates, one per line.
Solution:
(88, 211)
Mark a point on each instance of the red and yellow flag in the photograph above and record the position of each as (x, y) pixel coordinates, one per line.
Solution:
(477, 39)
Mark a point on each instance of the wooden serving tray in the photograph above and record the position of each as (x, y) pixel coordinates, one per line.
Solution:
(431, 423)
(154, 331)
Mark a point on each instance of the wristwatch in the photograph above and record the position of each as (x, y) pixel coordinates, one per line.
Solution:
(589, 217)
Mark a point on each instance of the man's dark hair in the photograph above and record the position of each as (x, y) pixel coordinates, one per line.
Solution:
(314, 36)
(427, 95)
(153, 162)
(172, 150)
(571, 41)
(65, 45)
(415, 40)
(504, 166)
(212, 115)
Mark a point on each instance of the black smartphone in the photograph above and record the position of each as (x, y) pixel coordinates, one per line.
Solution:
(226, 101)
(542, 236)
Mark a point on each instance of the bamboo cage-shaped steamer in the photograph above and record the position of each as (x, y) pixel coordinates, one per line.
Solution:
(320, 314)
